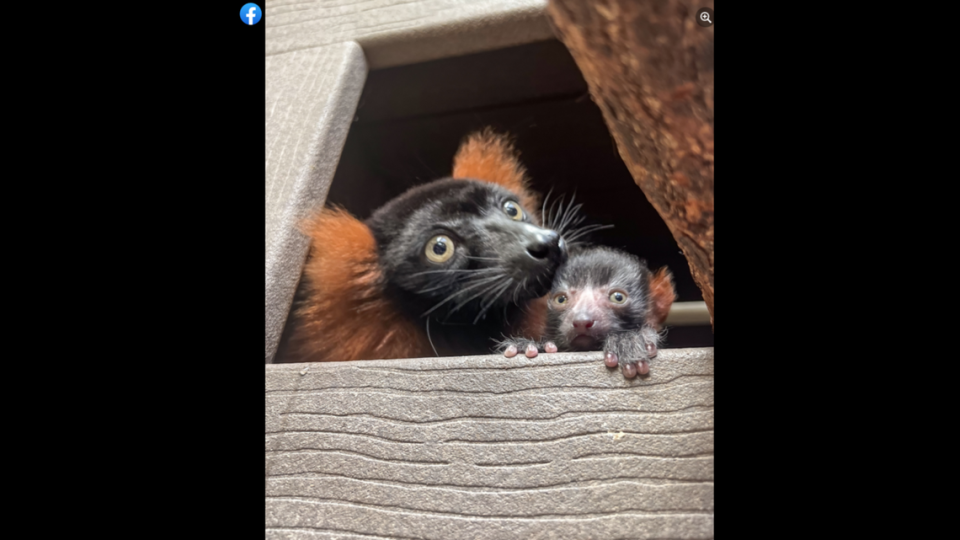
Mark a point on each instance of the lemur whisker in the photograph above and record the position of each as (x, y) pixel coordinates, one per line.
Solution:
(584, 231)
(575, 222)
(489, 304)
(434, 288)
(455, 271)
(467, 301)
(543, 210)
(597, 226)
(467, 277)
(484, 258)
(483, 281)
(516, 293)
(559, 213)
(570, 215)
(566, 211)
(430, 339)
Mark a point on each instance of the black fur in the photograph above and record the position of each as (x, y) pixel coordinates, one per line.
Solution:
(603, 266)
(628, 336)
(498, 265)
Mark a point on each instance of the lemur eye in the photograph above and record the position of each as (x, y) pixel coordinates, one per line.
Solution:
(439, 249)
(513, 210)
(618, 297)
(560, 299)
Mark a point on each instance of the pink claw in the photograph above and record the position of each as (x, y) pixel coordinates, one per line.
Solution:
(629, 370)
(531, 351)
(643, 367)
(510, 352)
(610, 360)
(550, 347)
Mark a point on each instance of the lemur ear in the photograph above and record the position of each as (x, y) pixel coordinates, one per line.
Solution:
(489, 156)
(662, 296)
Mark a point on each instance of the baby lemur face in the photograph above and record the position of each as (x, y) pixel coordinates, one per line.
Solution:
(598, 291)
(465, 246)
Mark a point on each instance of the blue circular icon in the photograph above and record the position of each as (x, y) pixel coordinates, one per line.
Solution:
(250, 14)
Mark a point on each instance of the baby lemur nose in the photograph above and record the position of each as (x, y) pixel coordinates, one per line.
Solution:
(546, 244)
(583, 323)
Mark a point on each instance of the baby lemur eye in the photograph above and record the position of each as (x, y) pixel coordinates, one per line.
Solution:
(560, 299)
(618, 297)
(513, 210)
(439, 249)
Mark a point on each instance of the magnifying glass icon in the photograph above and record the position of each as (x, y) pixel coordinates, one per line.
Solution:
(705, 17)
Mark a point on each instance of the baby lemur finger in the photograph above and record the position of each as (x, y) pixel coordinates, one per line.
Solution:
(510, 347)
(633, 346)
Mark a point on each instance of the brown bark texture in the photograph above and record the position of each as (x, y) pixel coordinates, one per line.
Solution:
(649, 66)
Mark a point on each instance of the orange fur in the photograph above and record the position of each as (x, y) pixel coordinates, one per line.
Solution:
(662, 296)
(488, 156)
(344, 315)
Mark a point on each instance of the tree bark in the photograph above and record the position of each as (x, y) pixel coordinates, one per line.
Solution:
(649, 66)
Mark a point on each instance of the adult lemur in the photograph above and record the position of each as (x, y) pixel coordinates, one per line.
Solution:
(443, 269)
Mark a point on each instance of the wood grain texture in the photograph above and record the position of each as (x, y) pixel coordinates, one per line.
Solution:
(552, 447)
(311, 97)
(394, 32)
(650, 69)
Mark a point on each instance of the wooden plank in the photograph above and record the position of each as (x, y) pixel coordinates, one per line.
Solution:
(396, 32)
(688, 314)
(311, 97)
(552, 447)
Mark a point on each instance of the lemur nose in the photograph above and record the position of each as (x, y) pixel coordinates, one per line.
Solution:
(547, 243)
(583, 323)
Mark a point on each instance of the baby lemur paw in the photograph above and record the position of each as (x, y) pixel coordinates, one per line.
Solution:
(510, 347)
(632, 351)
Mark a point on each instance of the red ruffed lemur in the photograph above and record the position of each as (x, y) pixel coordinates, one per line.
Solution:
(451, 266)
(605, 299)
(443, 269)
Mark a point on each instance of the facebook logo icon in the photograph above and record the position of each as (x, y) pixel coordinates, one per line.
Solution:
(250, 14)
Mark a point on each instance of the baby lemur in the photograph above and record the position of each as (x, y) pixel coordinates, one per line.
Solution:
(604, 299)
(440, 270)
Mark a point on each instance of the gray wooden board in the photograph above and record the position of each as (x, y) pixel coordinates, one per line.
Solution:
(557, 446)
(394, 32)
(311, 97)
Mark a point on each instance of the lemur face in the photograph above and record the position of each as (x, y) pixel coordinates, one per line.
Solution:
(466, 245)
(597, 292)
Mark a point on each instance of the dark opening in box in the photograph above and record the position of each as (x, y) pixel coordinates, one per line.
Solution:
(411, 119)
